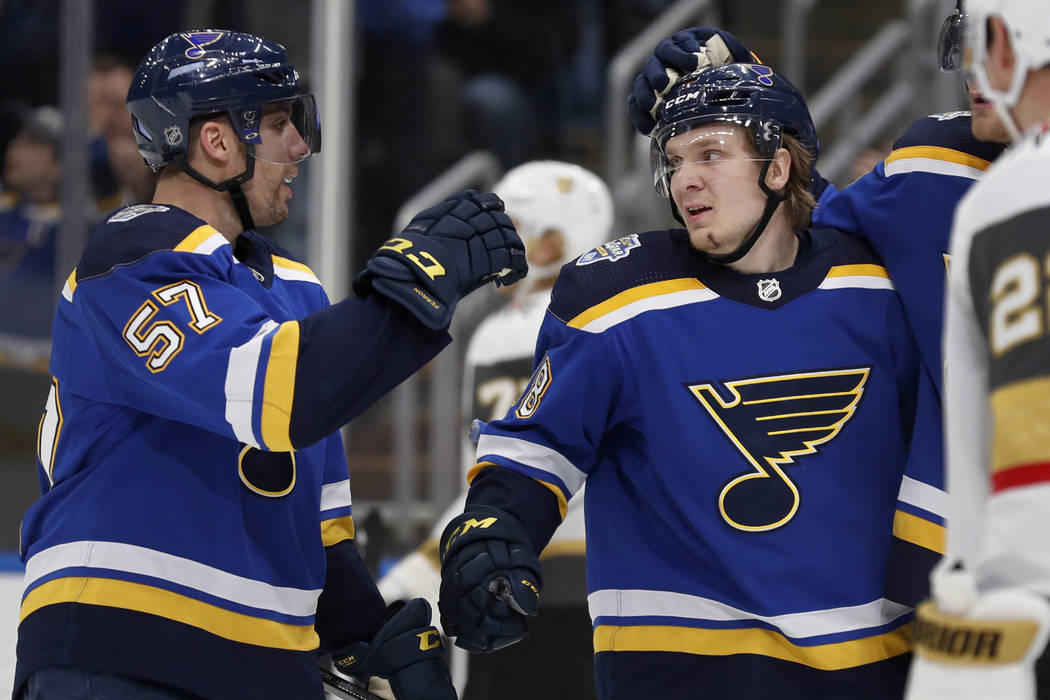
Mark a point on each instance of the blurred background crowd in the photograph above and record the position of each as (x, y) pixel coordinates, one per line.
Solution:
(432, 81)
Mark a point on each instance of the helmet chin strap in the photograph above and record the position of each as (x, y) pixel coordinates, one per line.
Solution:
(773, 200)
(232, 185)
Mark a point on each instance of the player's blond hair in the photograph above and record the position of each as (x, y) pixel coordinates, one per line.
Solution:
(799, 202)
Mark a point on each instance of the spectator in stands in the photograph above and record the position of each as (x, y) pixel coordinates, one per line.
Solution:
(508, 56)
(118, 173)
(29, 221)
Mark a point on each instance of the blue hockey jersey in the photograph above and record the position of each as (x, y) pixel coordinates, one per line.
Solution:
(743, 439)
(904, 209)
(195, 527)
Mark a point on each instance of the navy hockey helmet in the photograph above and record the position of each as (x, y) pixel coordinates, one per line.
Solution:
(207, 72)
(749, 95)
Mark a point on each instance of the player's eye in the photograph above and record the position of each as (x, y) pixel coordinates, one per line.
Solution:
(710, 156)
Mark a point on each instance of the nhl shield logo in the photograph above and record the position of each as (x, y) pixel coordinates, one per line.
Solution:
(173, 135)
(769, 290)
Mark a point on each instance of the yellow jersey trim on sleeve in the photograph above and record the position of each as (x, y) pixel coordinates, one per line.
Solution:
(279, 390)
(919, 531)
(336, 530)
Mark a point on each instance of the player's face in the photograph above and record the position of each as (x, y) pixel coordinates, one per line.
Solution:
(984, 120)
(268, 191)
(715, 186)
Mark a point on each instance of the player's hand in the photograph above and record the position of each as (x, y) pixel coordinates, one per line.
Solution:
(490, 580)
(407, 652)
(972, 646)
(680, 54)
(446, 252)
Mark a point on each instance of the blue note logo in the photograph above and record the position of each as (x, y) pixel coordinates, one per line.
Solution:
(765, 74)
(772, 421)
(198, 40)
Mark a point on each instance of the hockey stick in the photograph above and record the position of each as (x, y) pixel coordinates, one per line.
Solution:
(344, 689)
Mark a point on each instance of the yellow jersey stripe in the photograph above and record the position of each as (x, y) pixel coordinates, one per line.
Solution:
(938, 153)
(763, 642)
(139, 597)
(279, 389)
(912, 528)
(1021, 418)
(70, 287)
(858, 271)
(190, 243)
(291, 264)
(635, 294)
(336, 530)
(564, 549)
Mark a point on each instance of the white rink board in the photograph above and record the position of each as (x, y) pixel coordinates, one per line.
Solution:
(10, 596)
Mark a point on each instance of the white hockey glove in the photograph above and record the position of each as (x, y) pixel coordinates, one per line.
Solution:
(977, 646)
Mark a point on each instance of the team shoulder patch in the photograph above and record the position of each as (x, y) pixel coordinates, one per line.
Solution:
(538, 385)
(135, 210)
(612, 250)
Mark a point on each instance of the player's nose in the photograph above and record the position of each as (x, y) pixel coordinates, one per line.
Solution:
(298, 148)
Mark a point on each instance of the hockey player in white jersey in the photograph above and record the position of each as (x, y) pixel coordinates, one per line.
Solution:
(984, 633)
(560, 210)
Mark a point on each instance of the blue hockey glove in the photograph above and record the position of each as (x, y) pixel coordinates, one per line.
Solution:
(490, 580)
(446, 252)
(407, 651)
(675, 56)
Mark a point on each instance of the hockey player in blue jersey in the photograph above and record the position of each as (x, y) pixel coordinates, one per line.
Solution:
(195, 533)
(739, 397)
(903, 208)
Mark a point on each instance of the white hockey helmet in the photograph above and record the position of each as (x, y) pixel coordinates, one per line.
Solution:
(1028, 25)
(545, 195)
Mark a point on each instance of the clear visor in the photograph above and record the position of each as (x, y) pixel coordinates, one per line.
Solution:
(716, 146)
(289, 131)
(974, 45)
(950, 42)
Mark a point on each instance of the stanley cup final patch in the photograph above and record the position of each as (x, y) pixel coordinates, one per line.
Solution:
(769, 290)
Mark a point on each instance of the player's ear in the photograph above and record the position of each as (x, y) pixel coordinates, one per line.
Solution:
(779, 170)
(1000, 50)
(215, 142)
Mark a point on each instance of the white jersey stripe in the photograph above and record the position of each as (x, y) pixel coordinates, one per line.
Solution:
(920, 495)
(240, 385)
(179, 570)
(856, 281)
(932, 165)
(661, 301)
(800, 625)
(535, 456)
(293, 275)
(335, 495)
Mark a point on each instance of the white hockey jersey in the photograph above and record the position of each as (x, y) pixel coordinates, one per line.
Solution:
(997, 407)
